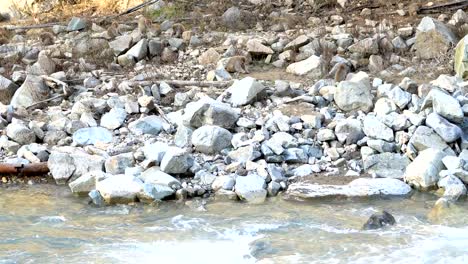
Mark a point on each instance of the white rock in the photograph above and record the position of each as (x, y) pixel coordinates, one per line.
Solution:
(310, 66)
(423, 172)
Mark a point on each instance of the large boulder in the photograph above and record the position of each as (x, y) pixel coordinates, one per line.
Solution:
(7, 90)
(251, 188)
(121, 44)
(72, 164)
(245, 91)
(446, 130)
(139, 50)
(386, 165)
(362, 187)
(433, 39)
(119, 189)
(87, 182)
(444, 105)
(354, 95)
(118, 163)
(374, 128)
(424, 138)
(92, 135)
(311, 67)
(349, 131)
(147, 125)
(211, 139)
(155, 176)
(461, 58)
(32, 91)
(20, 133)
(256, 47)
(207, 111)
(423, 172)
(176, 161)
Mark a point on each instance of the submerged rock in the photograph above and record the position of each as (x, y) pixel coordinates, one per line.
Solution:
(379, 220)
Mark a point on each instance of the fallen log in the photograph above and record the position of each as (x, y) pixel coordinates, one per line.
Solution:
(33, 169)
(181, 83)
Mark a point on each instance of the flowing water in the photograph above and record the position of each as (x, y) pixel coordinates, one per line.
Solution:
(45, 224)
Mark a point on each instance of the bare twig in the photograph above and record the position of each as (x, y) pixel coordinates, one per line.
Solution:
(182, 83)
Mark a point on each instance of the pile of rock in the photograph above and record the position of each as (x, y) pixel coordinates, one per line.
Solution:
(117, 139)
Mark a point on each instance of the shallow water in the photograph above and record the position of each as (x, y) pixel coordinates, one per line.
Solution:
(46, 224)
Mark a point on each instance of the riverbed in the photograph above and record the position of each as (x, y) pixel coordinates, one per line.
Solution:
(46, 224)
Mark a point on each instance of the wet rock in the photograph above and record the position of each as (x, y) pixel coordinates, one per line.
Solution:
(211, 139)
(155, 176)
(245, 91)
(446, 130)
(386, 165)
(351, 96)
(7, 90)
(251, 188)
(358, 188)
(311, 67)
(119, 189)
(87, 182)
(433, 39)
(453, 187)
(32, 91)
(92, 135)
(76, 24)
(423, 172)
(114, 118)
(379, 220)
(96, 198)
(176, 161)
(117, 164)
(153, 192)
(225, 195)
(20, 133)
(152, 125)
(444, 105)
(374, 128)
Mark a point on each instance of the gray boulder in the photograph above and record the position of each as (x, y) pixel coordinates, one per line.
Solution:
(92, 135)
(183, 136)
(433, 39)
(245, 91)
(176, 161)
(119, 189)
(147, 125)
(453, 187)
(32, 91)
(114, 118)
(386, 165)
(7, 90)
(423, 172)
(140, 50)
(311, 67)
(207, 111)
(211, 139)
(120, 44)
(374, 128)
(155, 176)
(251, 188)
(153, 192)
(76, 24)
(424, 138)
(444, 105)
(446, 130)
(354, 95)
(349, 131)
(87, 182)
(61, 166)
(20, 133)
(117, 164)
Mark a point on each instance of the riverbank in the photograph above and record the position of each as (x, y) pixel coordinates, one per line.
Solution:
(147, 106)
(46, 222)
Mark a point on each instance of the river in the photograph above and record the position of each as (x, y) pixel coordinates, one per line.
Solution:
(46, 224)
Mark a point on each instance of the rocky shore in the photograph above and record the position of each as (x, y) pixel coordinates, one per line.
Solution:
(144, 110)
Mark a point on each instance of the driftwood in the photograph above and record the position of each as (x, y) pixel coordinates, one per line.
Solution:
(181, 83)
(304, 98)
(11, 27)
(452, 6)
(33, 169)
